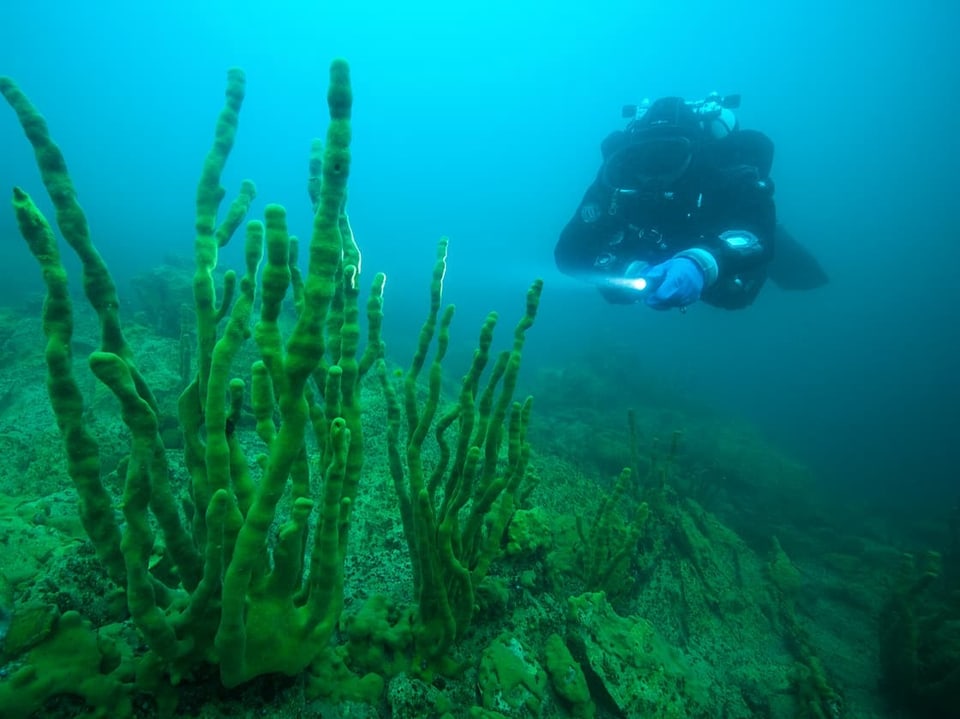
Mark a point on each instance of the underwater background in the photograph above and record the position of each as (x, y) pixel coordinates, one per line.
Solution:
(482, 122)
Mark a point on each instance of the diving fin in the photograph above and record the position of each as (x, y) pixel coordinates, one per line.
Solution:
(794, 267)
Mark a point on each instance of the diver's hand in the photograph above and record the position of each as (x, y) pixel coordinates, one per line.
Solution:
(677, 282)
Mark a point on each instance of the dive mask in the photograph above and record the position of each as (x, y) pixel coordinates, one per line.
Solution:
(656, 149)
(646, 164)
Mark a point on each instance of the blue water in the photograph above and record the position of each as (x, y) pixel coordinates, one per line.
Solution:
(482, 121)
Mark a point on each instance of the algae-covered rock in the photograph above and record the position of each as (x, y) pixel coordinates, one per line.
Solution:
(331, 678)
(511, 679)
(567, 679)
(74, 659)
(411, 698)
(380, 636)
(626, 659)
(528, 532)
(783, 573)
(29, 626)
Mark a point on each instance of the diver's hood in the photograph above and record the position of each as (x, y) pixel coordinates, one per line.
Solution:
(655, 150)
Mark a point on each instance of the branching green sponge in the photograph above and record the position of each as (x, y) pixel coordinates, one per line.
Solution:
(455, 513)
(235, 597)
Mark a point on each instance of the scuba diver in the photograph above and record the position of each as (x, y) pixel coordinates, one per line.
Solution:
(682, 209)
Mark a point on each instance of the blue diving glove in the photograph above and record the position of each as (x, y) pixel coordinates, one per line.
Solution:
(677, 282)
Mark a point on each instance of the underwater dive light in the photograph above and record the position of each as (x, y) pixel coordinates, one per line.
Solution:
(634, 277)
(638, 284)
(633, 281)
